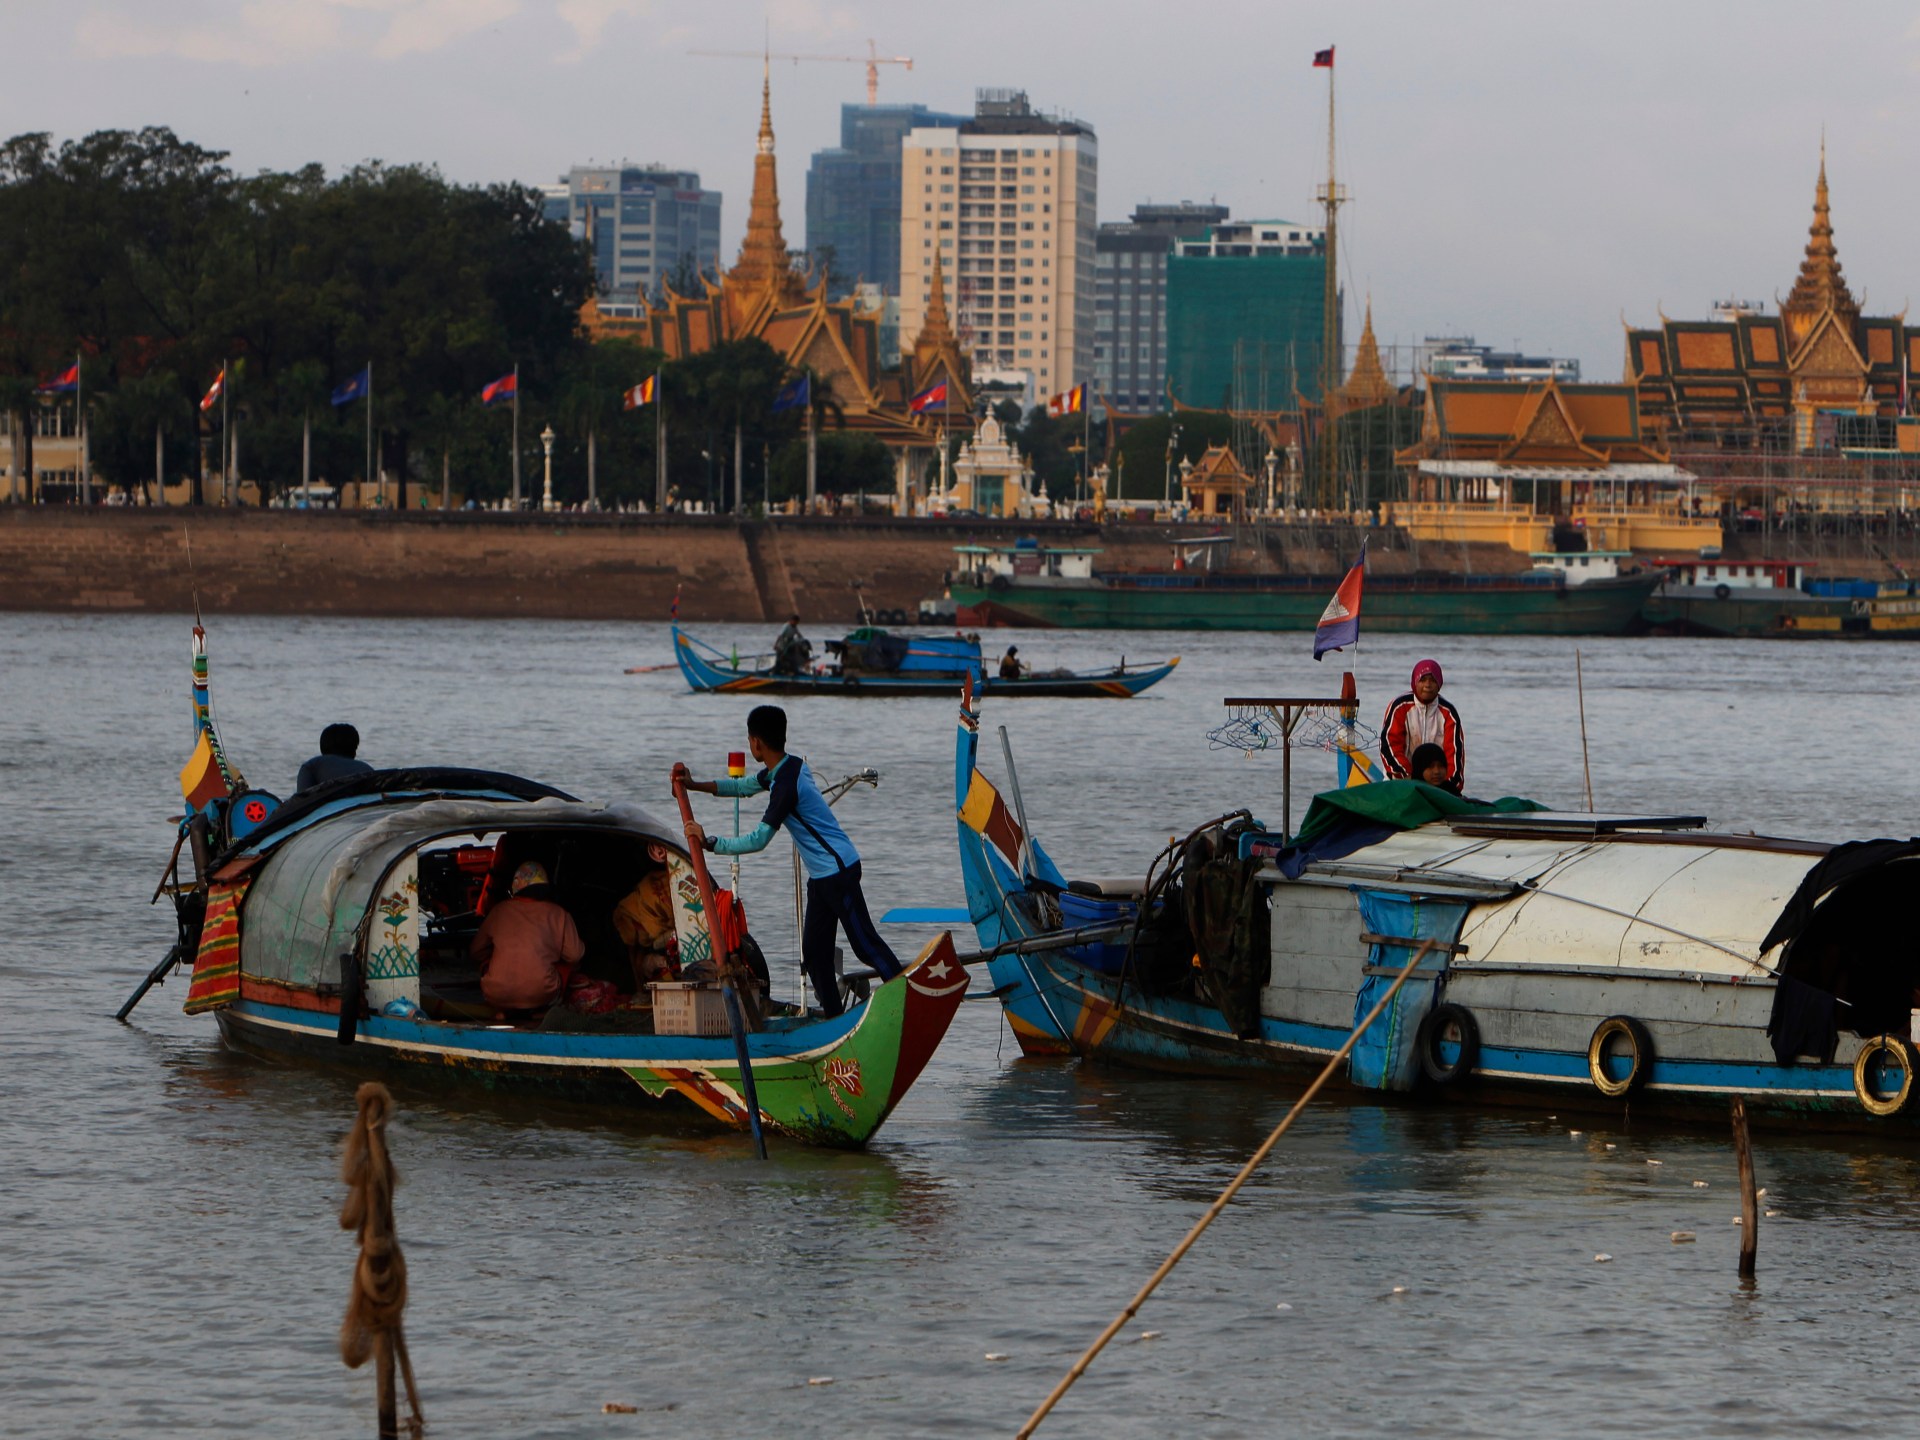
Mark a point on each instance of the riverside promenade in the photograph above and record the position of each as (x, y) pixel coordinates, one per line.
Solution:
(488, 565)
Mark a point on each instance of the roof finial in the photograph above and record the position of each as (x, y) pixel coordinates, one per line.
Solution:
(766, 107)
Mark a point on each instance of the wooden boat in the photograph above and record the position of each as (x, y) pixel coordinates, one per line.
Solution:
(338, 932)
(872, 662)
(337, 927)
(1613, 962)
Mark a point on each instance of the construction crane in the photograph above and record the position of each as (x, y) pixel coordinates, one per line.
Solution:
(873, 60)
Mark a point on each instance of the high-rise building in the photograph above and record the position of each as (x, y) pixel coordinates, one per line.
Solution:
(1007, 200)
(1130, 301)
(853, 196)
(1457, 357)
(1245, 309)
(644, 220)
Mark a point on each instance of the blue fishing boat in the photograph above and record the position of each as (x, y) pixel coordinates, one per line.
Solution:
(1577, 960)
(338, 927)
(875, 662)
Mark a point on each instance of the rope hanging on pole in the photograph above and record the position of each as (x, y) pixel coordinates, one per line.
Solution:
(372, 1327)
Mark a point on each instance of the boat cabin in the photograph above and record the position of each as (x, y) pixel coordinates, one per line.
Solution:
(400, 884)
(1577, 567)
(1025, 560)
(1735, 574)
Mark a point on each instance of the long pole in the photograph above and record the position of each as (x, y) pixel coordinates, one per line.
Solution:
(306, 460)
(516, 437)
(1749, 1201)
(813, 471)
(739, 470)
(226, 457)
(369, 480)
(659, 446)
(1580, 689)
(160, 460)
(80, 429)
(1213, 1210)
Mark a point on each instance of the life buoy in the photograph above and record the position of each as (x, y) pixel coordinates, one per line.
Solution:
(1639, 1055)
(1721, 592)
(1454, 1024)
(1900, 1053)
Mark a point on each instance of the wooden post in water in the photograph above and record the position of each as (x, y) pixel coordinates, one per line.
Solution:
(1749, 1201)
(372, 1328)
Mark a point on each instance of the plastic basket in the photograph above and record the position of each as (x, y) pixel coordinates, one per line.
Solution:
(687, 1007)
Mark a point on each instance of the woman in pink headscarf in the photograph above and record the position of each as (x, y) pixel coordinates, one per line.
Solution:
(1421, 717)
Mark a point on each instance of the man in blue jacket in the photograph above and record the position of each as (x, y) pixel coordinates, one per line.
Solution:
(833, 865)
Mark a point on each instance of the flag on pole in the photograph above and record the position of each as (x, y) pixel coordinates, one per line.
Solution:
(200, 778)
(1339, 624)
(355, 389)
(796, 394)
(641, 394)
(1323, 59)
(507, 387)
(931, 398)
(1069, 402)
(65, 383)
(212, 397)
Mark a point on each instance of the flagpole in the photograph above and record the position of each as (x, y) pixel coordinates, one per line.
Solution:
(80, 429)
(516, 436)
(812, 454)
(306, 460)
(369, 479)
(226, 460)
(659, 446)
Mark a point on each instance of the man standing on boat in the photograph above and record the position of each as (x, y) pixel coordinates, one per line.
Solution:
(791, 650)
(1421, 717)
(834, 900)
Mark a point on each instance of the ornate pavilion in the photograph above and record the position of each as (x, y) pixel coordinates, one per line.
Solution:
(763, 296)
(1777, 381)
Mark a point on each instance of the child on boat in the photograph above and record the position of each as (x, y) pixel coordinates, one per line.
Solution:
(1428, 764)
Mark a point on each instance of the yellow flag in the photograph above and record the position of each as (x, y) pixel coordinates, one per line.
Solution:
(200, 777)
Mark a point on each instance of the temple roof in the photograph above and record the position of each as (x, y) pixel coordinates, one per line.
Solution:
(1547, 423)
(1820, 286)
(1368, 385)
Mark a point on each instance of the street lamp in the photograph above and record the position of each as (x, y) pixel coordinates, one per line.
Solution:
(546, 444)
(1273, 461)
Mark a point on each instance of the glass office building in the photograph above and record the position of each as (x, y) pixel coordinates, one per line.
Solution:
(644, 220)
(853, 196)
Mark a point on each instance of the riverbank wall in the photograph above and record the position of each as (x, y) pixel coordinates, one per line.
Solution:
(566, 566)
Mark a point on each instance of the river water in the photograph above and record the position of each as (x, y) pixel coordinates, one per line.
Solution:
(171, 1262)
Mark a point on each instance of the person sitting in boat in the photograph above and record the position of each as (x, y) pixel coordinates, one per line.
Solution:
(792, 651)
(644, 922)
(1010, 666)
(527, 947)
(1429, 766)
(339, 749)
(834, 900)
(1421, 717)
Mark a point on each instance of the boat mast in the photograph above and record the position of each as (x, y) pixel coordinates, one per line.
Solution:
(1332, 196)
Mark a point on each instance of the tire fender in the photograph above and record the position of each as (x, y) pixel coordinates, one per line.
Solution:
(1434, 1068)
(1897, 1050)
(1639, 1050)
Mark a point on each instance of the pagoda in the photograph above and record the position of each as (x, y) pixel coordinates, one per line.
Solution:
(762, 296)
(1748, 380)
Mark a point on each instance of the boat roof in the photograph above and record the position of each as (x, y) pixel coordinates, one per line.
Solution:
(1547, 892)
(312, 891)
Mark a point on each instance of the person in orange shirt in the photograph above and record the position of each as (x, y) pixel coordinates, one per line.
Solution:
(644, 921)
(527, 946)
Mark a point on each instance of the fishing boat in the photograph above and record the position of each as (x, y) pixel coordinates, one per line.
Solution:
(1033, 586)
(337, 927)
(875, 662)
(1615, 962)
(1754, 599)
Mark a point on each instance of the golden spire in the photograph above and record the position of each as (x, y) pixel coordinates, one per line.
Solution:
(936, 328)
(1820, 285)
(763, 261)
(1368, 384)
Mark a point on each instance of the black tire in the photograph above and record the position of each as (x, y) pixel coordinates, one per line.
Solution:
(1465, 1032)
(1902, 1053)
(1721, 592)
(1640, 1043)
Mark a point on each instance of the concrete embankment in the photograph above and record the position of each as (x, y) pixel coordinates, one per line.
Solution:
(562, 566)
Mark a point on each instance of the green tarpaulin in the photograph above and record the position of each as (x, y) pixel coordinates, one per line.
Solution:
(1403, 804)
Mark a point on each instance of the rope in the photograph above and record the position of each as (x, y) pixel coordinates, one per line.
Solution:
(379, 1293)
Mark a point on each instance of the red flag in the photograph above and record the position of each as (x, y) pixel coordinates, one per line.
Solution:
(1323, 59)
(212, 397)
(505, 388)
(1069, 402)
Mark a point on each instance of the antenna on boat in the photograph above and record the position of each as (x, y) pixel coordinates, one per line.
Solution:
(193, 579)
(1019, 807)
(1580, 690)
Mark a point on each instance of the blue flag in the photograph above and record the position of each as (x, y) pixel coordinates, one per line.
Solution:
(1339, 625)
(354, 389)
(794, 395)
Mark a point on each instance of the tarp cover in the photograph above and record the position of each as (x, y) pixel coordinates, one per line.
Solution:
(1401, 804)
(419, 780)
(312, 892)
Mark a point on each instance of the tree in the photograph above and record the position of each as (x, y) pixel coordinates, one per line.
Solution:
(1144, 448)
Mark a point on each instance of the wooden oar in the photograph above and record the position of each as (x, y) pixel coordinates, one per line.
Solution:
(154, 977)
(649, 669)
(729, 966)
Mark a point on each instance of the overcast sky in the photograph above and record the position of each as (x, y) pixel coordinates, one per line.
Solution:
(1521, 172)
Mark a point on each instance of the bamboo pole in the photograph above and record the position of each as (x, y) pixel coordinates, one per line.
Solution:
(1213, 1210)
(1580, 689)
(1749, 1200)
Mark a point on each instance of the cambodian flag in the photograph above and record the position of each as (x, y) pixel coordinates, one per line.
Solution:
(212, 397)
(1339, 624)
(507, 387)
(65, 383)
(933, 397)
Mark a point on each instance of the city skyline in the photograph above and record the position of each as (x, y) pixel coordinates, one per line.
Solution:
(1523, 175)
